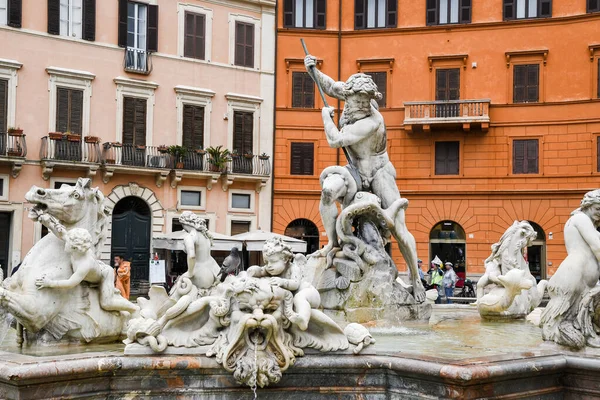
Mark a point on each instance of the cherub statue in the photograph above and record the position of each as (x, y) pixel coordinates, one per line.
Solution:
(86, 268)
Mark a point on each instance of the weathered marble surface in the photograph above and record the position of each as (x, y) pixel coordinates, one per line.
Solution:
(514, 292)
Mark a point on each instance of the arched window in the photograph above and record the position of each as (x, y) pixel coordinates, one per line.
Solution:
(306, 230)
(447, 241)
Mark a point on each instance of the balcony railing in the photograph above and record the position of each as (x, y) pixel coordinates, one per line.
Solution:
(465, 112)
(254, 165)
(67, 150)
(135, 156)
(12, 145)
(137, 60)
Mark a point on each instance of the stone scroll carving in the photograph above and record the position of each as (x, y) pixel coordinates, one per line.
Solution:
(514, 292)
(62, 291)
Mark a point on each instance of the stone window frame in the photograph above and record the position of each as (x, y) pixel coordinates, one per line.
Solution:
(244, 103)
(229, 218)
(203, 198)
(127, 87)
(5, 186)
(232, 19)
(526, 57)
(252, 194)
(9, 71)
(70, 79)
(53, 180)
(297, 65)
(448, 62)
(182, 8)
(196, 97)
(594, 50)
(461, 157)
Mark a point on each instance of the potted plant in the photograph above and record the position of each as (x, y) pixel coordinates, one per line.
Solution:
(92, 139)
(73, 137)
(115, 144)
(55, 135)
(163, 149)
(248, 154)
(178, 153)
(234, 154)
(218, 158)
(200, 151)
(263, 156)
(12, 131)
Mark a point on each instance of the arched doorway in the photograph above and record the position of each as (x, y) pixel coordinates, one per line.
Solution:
(131, 229)
(306, 230)
(536, 253)
(447, 240)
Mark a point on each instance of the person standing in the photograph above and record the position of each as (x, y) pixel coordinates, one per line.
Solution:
(437, 275)
(122, 275)
(449, 281)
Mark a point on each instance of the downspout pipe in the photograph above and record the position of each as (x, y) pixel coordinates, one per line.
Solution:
(274, 117)
(339, 70)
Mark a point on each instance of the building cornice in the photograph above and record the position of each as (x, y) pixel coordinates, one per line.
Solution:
(194, 91)
(243, 98)
(120, 80)
(70, 73)
(12, 64)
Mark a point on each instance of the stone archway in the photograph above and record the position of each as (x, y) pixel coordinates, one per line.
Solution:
(447, 240)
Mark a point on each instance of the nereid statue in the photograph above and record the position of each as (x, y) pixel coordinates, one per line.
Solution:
(370, 200)
(62, 290)
(571, 317)
(514, 292)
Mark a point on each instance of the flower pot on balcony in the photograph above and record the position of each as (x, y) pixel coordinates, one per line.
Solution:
(139, 147)
(92, 139)
(74, 138)
(55, 135)
(15, 132)
(13, 153)
(163, 149)
(179, 165)
(116, 144)
(110, 161)
(263, 157)
(200, 151)
(248, 155)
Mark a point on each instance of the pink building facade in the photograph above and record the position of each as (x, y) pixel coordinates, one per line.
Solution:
(101, 90)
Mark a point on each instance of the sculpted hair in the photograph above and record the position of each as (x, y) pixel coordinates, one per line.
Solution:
(277, 245)
(79, 239)
(590, 198)
(362, 83)
(199, 224)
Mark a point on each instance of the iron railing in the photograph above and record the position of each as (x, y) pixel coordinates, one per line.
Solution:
(64, 149)
(12, 145)
(137, 60)
(254, 165)
(458, 109)
(135, 156)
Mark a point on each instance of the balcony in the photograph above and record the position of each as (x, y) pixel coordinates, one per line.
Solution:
(69, 151)
(465, 114)
(13, 150)
(137, 61)
(128, 158)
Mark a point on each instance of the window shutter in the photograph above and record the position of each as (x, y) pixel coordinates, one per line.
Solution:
(248, 128)
(509, 9)
(392, 14)
(15, 8)
(128, 119)
(321, 16)
(249, 59)
(62, 109)
(76, 111)
(194, 36)
(288, 14)
(454, 84)
(122, 33)
(593, 6)
(193, 126)
(244, 44)
(432, 12)
(308, 91)
(518, 156)
(89, 20)
(465, 11)
(238, 127)
(545, 8)
(453, 158)
(360, 18)
(441, 84)
(140, 122)
(152, 30)
(242, 134)
(380, 79)
(297, 85)
(446, 158)
(533, 82)
(200, 37)
(302, 159)
(54, 17)
(532, 156)
(519, 83)
(441, 153)
(3, 105)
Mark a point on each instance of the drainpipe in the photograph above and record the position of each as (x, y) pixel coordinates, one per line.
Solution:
(274, 119)
(339, 70)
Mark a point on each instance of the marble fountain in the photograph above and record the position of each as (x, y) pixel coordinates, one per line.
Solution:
(335, 325)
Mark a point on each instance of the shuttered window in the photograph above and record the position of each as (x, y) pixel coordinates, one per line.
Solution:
(526, 83)
(69, 110)
(440, 12)
(138, 26)
(72, 18)
(134, 121)
(302, 158)
(525, 156)
(521, 9)
(244, 44)
(243, 132)
(380, 79)
(447, 84)
(303, 90)
(238, 227)
(3, 106)
(10, 13)
(375, 14)
(446, 158)
(593, 6)
(304, 13)
(195, 36)
(193, 126)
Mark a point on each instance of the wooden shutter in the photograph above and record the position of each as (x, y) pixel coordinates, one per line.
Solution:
(391, 20)
(3, 105)
(545, 7)
(238, 227)
(518, 156)
(193, 126)
(526, 83)
(446, 158)
(308, 92)
(532, 156)
(380, 79)
(593, 6)
(54, 17)
(134, 121)
(140, 122)
(533, 72)
(302, 159)
(320, 14)
(69, 110)
(303, 90)
(15, 8)
(89, 20)
(454, 84)
(122, 30)
(297, 86)
(152, 31)
(243, 131)
(244, 44)
(194, 40)
(76, 111)
(447, 84)
(525, 156)
(519, 83)
(432, 12)
(288, 13)
(509, 9)
(465, 12)
(360, 14)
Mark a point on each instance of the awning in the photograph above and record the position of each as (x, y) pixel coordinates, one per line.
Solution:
(255, 240)
(174, 241)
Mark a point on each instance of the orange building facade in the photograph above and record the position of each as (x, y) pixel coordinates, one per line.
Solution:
(492, 112)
